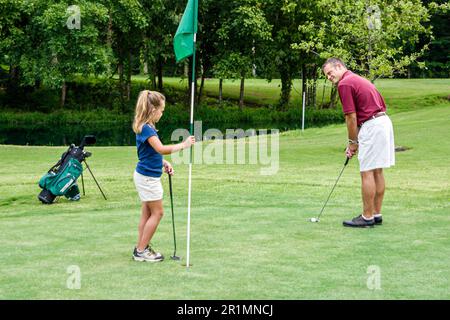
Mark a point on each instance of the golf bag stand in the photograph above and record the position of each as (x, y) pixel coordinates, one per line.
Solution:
(93, 177)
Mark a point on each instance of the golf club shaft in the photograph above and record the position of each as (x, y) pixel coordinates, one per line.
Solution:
(340, 174)
(173, 220)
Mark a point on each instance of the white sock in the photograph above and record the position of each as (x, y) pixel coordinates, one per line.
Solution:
(367, 219)
(377, 215)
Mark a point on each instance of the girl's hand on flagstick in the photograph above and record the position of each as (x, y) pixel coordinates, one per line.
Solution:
(189, 141)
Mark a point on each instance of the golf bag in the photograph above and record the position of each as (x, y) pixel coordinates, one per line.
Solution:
(61, 179)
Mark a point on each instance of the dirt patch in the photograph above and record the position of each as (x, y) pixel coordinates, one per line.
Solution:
(401, 148)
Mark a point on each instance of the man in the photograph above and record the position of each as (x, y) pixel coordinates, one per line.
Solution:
(370, 133)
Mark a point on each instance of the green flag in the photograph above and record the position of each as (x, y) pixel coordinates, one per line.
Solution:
(183, 42)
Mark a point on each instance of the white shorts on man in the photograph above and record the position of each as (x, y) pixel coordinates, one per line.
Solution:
(376, 144)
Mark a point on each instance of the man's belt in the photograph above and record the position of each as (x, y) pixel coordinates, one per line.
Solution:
(376, 115)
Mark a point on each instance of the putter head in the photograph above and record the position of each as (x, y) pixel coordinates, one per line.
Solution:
(176, 258)
(314, 220)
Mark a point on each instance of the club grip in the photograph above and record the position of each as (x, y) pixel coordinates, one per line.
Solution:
(346, 161)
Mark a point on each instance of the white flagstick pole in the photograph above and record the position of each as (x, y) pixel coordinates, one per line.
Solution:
(303, 112)
(190, 161)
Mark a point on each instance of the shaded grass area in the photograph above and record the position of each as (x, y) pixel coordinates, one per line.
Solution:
(250, 235)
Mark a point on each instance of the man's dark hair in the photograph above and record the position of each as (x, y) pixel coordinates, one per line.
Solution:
(334, 61)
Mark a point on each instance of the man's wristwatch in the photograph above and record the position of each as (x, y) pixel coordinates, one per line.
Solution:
(350, 141)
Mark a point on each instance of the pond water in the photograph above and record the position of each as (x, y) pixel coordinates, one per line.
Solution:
(110, 134)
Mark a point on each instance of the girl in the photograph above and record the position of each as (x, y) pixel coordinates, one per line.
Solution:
(149, 109)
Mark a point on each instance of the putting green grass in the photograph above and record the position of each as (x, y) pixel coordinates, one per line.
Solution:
(250, 235)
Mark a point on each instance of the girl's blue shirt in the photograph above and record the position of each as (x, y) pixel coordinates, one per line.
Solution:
(150, 162)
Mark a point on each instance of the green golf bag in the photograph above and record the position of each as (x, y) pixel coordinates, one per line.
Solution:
(61, 183)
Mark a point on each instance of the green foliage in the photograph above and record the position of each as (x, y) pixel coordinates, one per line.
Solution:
(39, 51)
(376, 38)
(278, 57)
(243, 30)
(233, 66)
(437, 59)
(52, 49)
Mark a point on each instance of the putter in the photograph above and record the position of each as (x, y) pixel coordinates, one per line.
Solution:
(174, 257)
(317, 219)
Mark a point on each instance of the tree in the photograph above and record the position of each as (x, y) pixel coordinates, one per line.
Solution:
(372, 36)
(284, 17)
(14, 17)
(49, 43)
(70, 43)
(127, 22)
(211, 13)
(243, 31)
(437, 59)
(162, 17)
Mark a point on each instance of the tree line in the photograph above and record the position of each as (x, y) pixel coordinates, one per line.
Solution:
(47, 43)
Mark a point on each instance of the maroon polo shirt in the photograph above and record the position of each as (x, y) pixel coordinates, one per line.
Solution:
(359, 95)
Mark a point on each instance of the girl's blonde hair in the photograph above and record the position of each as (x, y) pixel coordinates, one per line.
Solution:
(148, 101)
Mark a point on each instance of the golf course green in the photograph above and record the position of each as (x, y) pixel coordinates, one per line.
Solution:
(250, 234)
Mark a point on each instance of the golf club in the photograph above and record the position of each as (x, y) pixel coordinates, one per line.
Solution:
(318, 217)
(174, 257)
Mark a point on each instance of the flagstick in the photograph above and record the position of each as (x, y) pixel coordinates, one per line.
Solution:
(190, 160)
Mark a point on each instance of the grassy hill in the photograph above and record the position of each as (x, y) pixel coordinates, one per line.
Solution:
(400, 94)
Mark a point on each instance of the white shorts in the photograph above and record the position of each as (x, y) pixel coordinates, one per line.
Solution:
(376, 144)
(148, 188)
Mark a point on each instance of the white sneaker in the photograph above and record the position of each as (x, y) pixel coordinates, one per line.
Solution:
(147, 255)
(157, 254)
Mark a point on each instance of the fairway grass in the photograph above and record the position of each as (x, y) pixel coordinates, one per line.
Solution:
(400, 94)
(250, 238)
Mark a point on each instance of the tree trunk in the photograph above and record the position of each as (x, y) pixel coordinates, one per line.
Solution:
(308, 86)
(314, 86)
(130, 62)
(109, 32)
(333, 97)
(220, 91)
(186, 68)
(160, 73)
(286, 87)
(13, 81)
(153, 81)
(323, 94)
(202, 85)
(62, 102)
(120, 71)
(241, 94)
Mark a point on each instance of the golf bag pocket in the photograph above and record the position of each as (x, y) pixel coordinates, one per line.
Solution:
(59, 183)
